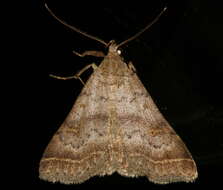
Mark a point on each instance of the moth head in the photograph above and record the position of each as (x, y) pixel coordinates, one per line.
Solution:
(113, 47)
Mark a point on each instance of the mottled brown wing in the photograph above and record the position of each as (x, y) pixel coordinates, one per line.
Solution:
(148, 145)
(79, 149)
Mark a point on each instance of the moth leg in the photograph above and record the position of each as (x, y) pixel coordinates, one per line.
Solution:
(77, 75)
(131, 67)
(93, 65)
(91, 53)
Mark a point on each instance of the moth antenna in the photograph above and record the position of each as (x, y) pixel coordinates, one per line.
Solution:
(143, 30)
(74, 28)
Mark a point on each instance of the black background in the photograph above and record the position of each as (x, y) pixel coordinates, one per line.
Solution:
(179, 60)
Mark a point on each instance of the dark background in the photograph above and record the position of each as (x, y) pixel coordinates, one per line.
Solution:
(179, 60)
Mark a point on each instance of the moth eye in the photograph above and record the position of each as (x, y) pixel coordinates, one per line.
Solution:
(119, 52)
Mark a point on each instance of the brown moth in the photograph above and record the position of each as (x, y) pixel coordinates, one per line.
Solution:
(114, 126)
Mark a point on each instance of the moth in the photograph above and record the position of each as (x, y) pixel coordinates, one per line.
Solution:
(114, 126)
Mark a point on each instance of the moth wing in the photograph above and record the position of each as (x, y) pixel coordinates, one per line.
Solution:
(79, 149)
(148, 144)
